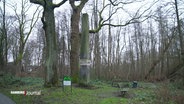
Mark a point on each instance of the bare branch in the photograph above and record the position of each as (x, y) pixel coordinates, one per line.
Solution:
(83, 2)
(116, 4)
(33, 23)
(72, 3)
(41, 2)
(112, 14)
(136, 16)
(59, 4)
(131, 21)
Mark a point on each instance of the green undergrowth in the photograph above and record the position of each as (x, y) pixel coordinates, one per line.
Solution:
(101, 93)
(11, 83)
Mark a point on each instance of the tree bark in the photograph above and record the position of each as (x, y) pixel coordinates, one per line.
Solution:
(75, 40)
(75, 46)
(48, 20)
(51, 78)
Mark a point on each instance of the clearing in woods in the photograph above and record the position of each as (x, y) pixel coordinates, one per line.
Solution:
(100, 92)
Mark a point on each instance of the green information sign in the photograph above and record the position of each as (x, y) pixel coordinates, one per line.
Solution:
(67, 78)
(67, 81)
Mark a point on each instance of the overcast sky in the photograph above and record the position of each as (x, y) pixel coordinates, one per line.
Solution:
(130, 9)
(121, 15)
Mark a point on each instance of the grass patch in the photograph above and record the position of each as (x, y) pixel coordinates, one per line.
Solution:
(114, 100)
(103, 93)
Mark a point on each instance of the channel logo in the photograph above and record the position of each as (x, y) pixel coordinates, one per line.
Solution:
(25, 92)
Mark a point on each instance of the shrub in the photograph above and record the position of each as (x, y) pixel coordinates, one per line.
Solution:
(9, 79)
(163, 95)
(169, 94)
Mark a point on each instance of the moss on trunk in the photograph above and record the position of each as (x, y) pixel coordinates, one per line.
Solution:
(51, 49)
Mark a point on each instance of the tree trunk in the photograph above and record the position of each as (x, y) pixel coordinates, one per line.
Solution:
(75, 45)
(109, 65)
(3, 39)
(5, 33)
(97, 54)
(180, 36)
(48, 20)
(75, 39)
(51, 75)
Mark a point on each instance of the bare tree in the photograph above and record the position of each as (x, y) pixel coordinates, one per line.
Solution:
(180, 36)
(3, 37)
(63, 32)
(97, 53)
(48, 20)
(109, 63)
(22, 26)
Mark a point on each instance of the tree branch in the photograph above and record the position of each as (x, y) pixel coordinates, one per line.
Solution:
(43, 15)
(40, 2)
(116, 4)
(112, 15)
(59, 4)
(136, 16)
(72, 4)
(83, 2)
(33, 23)
(79, 7)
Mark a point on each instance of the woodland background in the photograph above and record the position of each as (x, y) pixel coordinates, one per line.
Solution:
(145, 43)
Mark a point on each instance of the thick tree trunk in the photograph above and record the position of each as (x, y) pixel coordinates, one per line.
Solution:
(51, 75)
(75, 39)
(75, 45)
(48, 20)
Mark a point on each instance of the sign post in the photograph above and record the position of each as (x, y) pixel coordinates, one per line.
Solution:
(67, 82)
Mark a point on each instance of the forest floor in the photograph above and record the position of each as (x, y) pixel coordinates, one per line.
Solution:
(101, 93)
